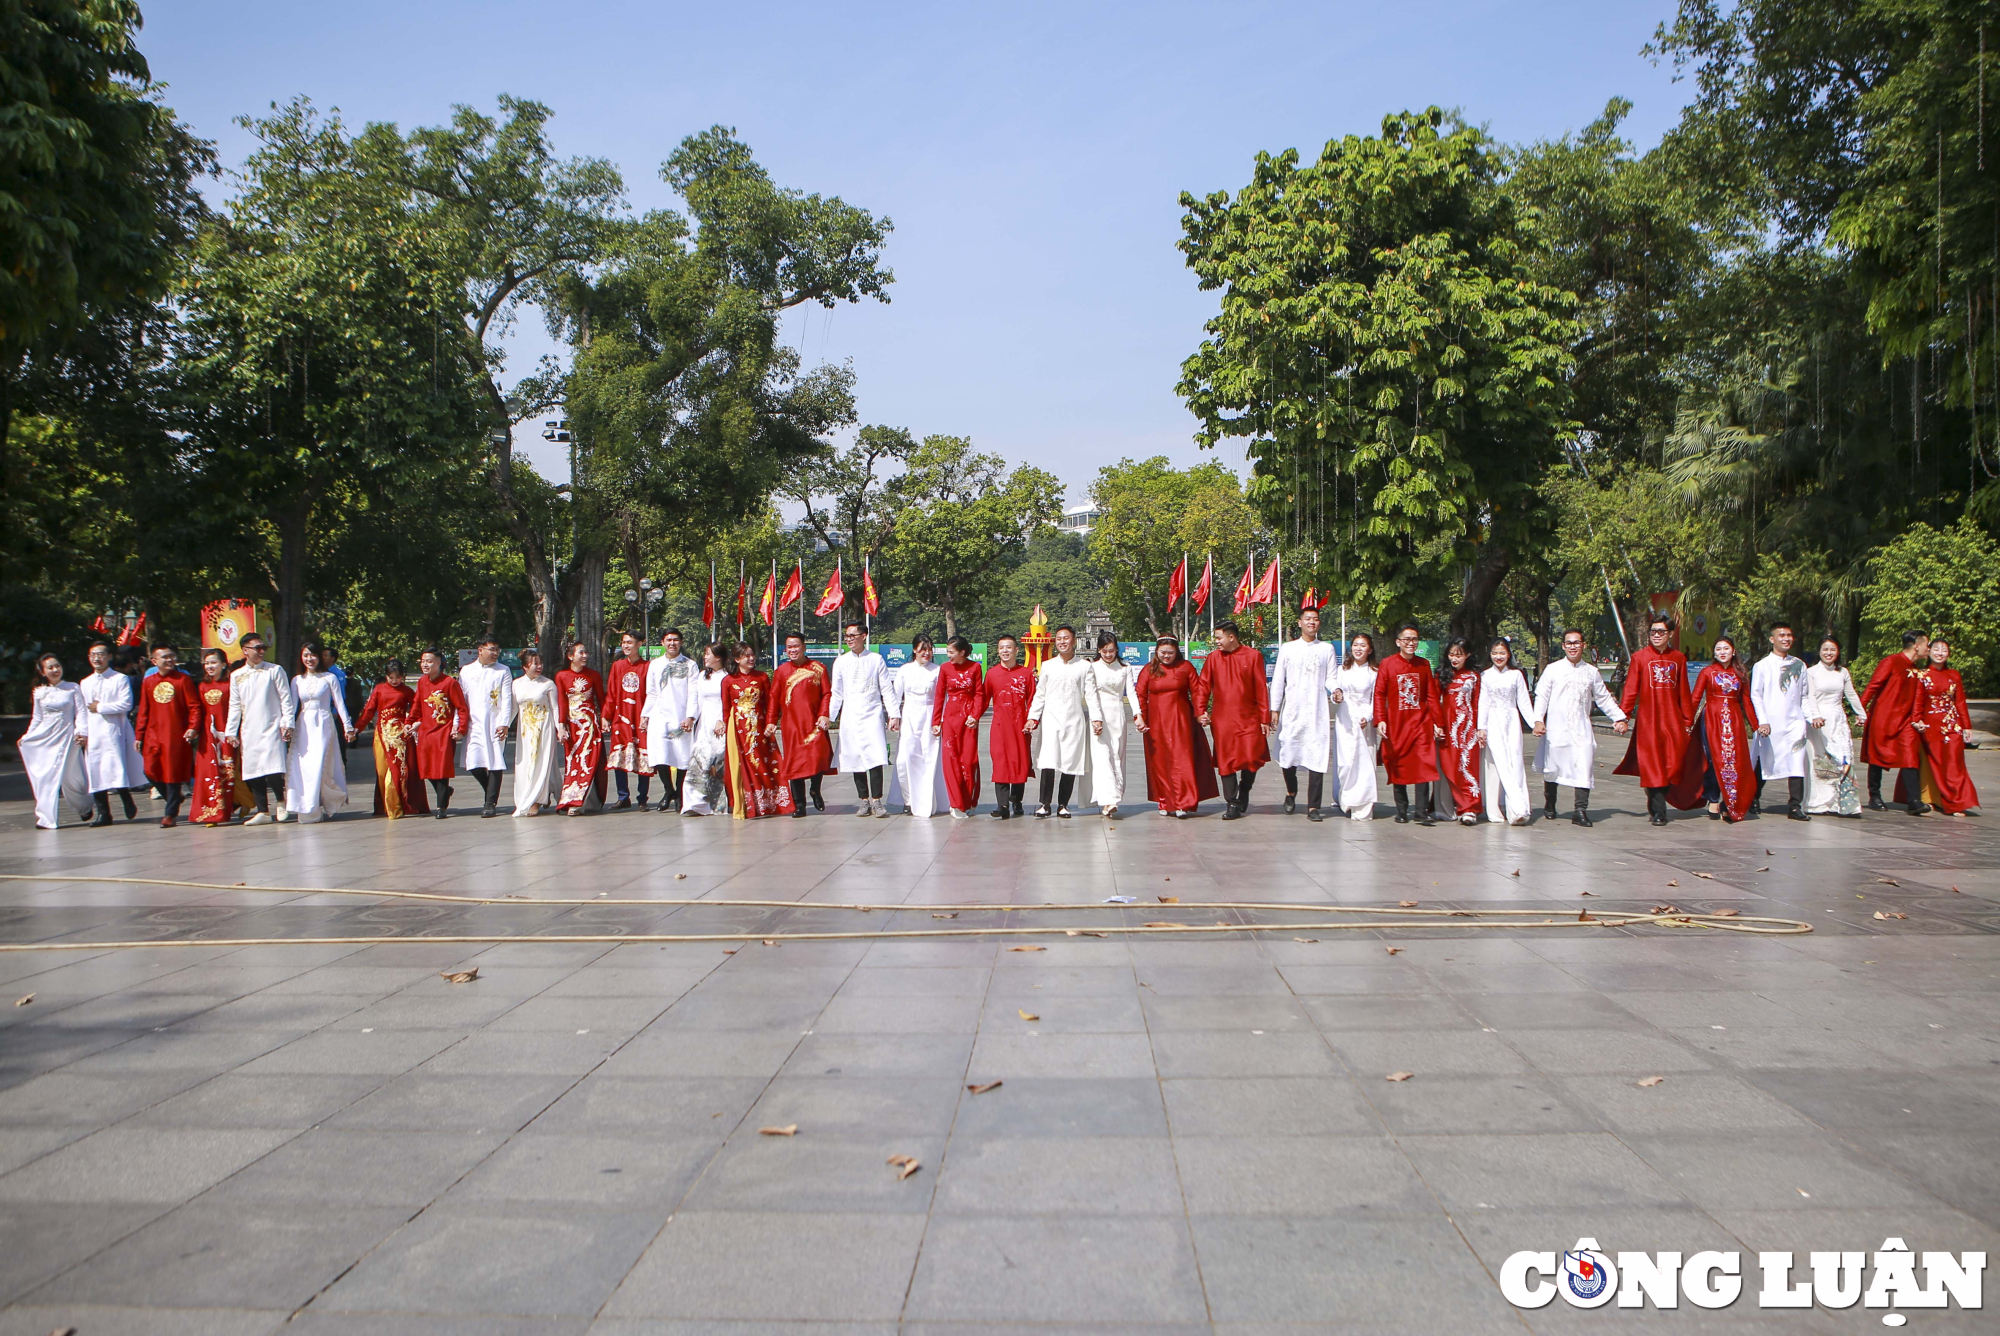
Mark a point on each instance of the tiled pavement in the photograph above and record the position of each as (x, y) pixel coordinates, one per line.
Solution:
(1189, 1136)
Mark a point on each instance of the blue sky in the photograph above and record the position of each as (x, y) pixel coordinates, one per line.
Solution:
(1031, 155)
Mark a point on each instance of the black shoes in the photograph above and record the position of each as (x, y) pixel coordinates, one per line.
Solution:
(798, 813)
(819, 802)
(1875, 803)
(489, 810)
(1000, 813)
(624, 804)
(1291, 803)
(1313, 814)
(439, 814)
(1794, 814)
(1231, 812)
(1580, 817)
(131, 808)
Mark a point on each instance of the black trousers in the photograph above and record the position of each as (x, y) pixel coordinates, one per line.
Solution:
(489, 784)
(441, 788)
(264, 787)
(1401, 793)
(800, 787)
(1049, 787)
(1006, 794)
(671, 779)
(1236, 787)
(1315, 785)
(174, 794)
(868, 783)
(1549, 789)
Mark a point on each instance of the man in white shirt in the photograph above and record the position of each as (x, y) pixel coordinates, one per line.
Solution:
(1778, 694)
(668, 718)
(1300, 710)
(111, 760)
(1567, 753)
(489, 712)
(262, 711)
(859, 708)
(1067, 702)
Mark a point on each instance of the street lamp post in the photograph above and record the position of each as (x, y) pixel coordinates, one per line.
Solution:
(646, 598)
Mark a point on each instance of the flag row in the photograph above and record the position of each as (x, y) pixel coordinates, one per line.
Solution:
(776, 599)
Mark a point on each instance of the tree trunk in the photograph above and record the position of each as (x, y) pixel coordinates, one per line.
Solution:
(586, 581)
(288, 612)
(1473, 618)
(950, 624)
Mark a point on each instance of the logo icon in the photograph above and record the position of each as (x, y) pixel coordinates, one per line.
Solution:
(1588, 1278)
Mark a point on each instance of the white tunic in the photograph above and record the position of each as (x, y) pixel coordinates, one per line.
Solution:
(1830, 747)
(48, 749)
(1563, 697)
(1301, 700)
(260, 704)
(537, 750)
(1504, 705)
(1114, 685)
(669, 705)
(860, 711)
(1065, 707)
(704, 790)
(489, 705)
(315, 776)
(919, 756)
(1355, 740)
(1778, 694)
(111, 755)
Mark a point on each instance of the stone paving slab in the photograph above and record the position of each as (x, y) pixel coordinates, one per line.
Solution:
(1189, 1135)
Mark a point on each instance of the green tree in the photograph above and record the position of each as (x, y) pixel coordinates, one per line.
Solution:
(1398, 372)
(96, 178)
(961, 520)
(850, 497)
(1150, 515)
(1947, 582)
(683, 402)
(317, 360)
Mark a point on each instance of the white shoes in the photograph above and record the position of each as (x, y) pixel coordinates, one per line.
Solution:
(881, 806)
(957, 815)
(867, 808)
(1110, 812)
(261, 819)
(287, 815)
(1469, 819)
(1063, 812)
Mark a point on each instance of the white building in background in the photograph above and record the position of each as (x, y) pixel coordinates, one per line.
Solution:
(1079, 519)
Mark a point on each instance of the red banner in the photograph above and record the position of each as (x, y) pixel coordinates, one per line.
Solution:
(1201, 591)
(830, 601)
(1177, 585)
(792, 589)
(766, 606)
(708, 603)
(1267, 588)
(869, 598)
(1246, 587)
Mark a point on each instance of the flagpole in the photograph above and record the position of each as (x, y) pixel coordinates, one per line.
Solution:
(711, 598)
(1279, 560)
(1211, 596)
(1187, 593)
(742, 574)
(800, 571)
(774, 612)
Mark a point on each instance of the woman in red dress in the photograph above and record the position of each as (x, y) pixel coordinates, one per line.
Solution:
(750, 763)
(399, 790)
(1180, 768)
(1458, 749)
(580, 724)
(215, 783)
(1716, 766)
(957, 702)
(1011, 688)
(1940, 719)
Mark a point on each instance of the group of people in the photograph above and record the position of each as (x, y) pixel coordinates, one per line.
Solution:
(721, 735)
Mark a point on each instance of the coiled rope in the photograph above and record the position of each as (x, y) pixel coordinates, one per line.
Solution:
(1369, 919)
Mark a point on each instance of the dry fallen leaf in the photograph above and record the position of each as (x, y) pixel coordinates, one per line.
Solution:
(1726, 913)
(1406, 904)
(1027, 948)
(1673, 883)
(1026, 1015)
(1765, 868)
(1665, 909)
(1591, 893)
(788, 1130)
(22, 1002)
(1166, 925)
(1515, 873)
(1393, 950)
(1399, 1076)
(1170, 899)
(1649, 1081)
(1078, 932)
(1305, 939)
(906, 1165)
(680, 876)
(982, 1089)
(459, 976)
(1889, 881)
(1706, 876)
(730, 951)
(1956, 891)
(1889, 914)
(1583, 916)
(944, 916)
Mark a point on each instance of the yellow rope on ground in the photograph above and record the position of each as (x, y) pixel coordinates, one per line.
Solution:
(1414, 918)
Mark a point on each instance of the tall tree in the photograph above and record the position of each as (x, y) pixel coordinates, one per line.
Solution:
(850, 497)
(680, 396)
(1397, 371)
(319, 317)
(962, 520)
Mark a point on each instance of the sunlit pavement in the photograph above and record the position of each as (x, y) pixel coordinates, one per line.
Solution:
(1186, 1134)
